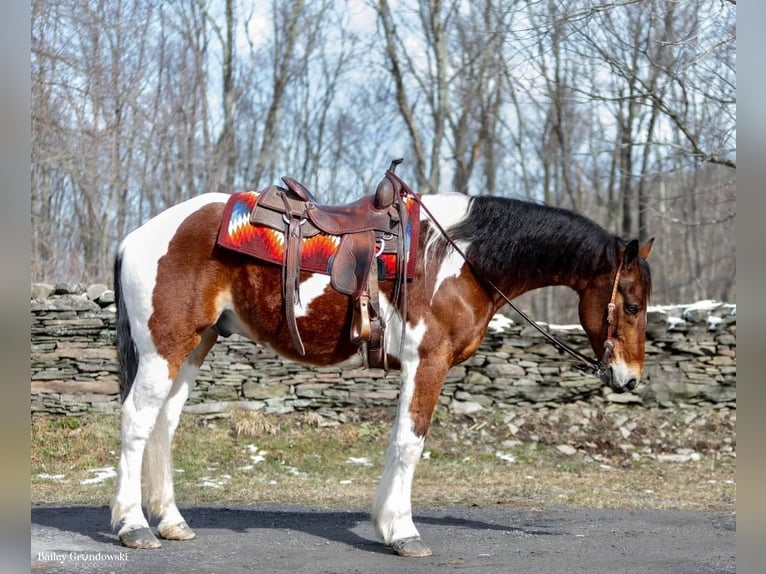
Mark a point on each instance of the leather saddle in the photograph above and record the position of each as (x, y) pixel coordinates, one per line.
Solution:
(366, 228)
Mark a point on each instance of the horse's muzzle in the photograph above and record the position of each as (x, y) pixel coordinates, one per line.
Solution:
(618, 386)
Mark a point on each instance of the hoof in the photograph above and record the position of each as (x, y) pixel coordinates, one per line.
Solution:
(411, 548)
(139, 538)
(180, 531)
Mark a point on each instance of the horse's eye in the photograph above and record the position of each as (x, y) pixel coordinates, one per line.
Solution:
(631, 309)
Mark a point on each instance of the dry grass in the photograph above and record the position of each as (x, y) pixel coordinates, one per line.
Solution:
(306, 459)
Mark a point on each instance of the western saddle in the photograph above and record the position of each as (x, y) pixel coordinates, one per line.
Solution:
(366, 228)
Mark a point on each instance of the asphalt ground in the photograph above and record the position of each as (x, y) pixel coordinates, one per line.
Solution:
(291, 539)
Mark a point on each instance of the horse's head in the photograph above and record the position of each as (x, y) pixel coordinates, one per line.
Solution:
(618, 335)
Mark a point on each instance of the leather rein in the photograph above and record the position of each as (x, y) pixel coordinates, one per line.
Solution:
(597, 367)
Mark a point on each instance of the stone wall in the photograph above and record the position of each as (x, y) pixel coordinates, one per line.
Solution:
(691, 359)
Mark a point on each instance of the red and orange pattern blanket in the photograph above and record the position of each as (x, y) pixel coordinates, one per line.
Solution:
(267, 244)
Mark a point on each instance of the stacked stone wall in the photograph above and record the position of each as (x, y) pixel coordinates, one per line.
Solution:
(691, 359)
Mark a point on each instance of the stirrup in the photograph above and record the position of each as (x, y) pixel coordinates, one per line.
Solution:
(360, 322)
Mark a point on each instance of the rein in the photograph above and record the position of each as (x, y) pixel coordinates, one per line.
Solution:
(585, 363)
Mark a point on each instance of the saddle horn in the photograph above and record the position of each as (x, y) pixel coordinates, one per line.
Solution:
(394, 163)
(387, 192)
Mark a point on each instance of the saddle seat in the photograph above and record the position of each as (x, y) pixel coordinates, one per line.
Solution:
(371, 212)
(364, 227)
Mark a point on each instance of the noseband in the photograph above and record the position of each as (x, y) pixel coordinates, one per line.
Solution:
(597, 367)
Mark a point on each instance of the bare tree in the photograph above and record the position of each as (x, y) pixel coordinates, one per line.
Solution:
(429, 73)
(287, 31)
(225, 152)
(477, 92)
(624, 111)
(96, 103)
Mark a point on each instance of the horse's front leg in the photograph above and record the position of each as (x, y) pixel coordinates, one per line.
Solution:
(421, 382)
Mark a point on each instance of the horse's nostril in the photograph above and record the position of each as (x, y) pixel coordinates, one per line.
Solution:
(632, 383)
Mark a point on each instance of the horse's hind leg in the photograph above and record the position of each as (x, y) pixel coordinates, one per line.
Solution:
(157, 469)
(150, 415)
(140, 411)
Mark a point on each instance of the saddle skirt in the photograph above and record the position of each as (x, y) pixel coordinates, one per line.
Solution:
(318, 251)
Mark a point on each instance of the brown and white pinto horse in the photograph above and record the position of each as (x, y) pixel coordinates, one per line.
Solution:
(177, 291)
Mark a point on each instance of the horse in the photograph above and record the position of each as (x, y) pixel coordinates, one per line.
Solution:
(177, 291)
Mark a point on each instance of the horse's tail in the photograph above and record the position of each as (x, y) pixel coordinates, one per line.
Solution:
(127, 353)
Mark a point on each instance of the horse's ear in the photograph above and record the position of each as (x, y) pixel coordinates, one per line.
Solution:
(630, 252)
(645, 249)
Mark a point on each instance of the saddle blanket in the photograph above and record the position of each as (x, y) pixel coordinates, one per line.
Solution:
(317, 252)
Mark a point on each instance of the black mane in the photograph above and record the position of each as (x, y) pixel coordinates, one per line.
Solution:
(521, 239)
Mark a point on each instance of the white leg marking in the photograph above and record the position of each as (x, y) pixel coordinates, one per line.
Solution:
(139, 416)
(157, 471)
(311, 289)
(392, 507)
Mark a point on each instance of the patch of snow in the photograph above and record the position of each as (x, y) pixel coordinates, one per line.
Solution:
(674, 322)
(101, 474)
(506, 456)
(256, 455)
(500, 323)
(364, 461)
(46, 476)
(704, 305)
(295, 472)
(573, 327)
(213, 482)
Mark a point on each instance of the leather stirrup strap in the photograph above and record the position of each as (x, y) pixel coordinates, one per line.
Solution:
(402, 191)
(291, 279)
(401, 272)
(377, 357)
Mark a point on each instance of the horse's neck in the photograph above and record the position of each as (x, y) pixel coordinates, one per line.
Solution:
(534, 269)
(520, 247)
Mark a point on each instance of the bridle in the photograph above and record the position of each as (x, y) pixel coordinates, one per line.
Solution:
(597, 367)
(610, 308)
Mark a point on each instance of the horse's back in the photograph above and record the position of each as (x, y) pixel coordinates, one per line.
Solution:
(144, 253)
(155, 234)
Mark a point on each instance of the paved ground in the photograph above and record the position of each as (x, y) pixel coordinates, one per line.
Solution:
(233, 540)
